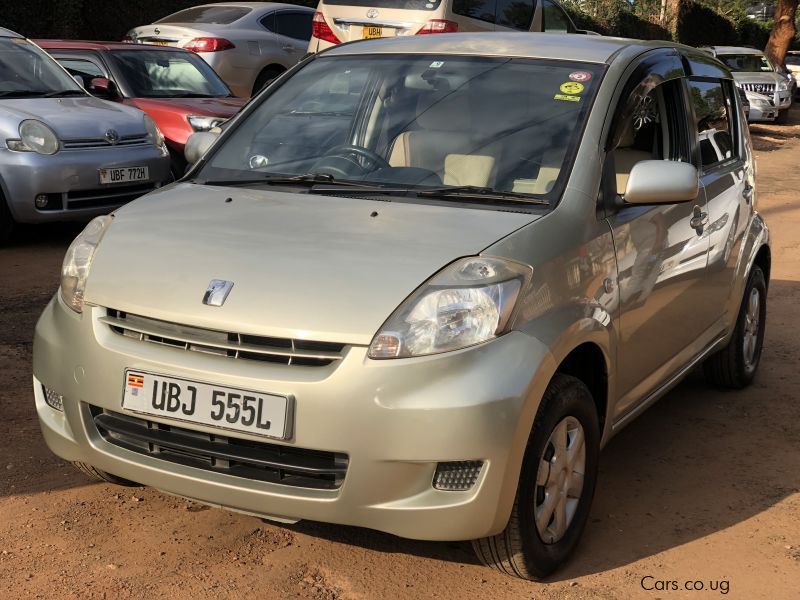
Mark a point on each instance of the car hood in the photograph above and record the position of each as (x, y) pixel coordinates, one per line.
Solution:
(71, 118)
(212, 107)
(303, 266)
(743, 77)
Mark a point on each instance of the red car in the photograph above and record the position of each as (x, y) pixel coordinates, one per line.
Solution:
(179, 91)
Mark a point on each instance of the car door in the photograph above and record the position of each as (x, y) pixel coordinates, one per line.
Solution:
(555, 19)
(727, 180)
(473, 15)
(514, 15)
(661, 250)
(292, 31)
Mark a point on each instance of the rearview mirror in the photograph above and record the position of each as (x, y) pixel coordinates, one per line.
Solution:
(662, 182)
(197, 145)
(103, 88)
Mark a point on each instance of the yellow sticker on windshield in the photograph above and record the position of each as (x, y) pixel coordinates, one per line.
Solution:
(567, 98)
(572, 87)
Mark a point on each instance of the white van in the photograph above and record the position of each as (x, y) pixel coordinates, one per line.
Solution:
(338, 21)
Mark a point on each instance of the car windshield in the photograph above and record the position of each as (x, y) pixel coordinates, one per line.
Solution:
(26, 71)
(407, 4)
(208, 15)
(501, 124)
(746, 63)
(167, 74)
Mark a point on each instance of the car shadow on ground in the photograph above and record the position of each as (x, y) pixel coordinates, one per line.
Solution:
(696, 463)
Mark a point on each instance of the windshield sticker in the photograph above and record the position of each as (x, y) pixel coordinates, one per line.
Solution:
(437, 64)
(580, 76)
(572, 87)
(567, 98)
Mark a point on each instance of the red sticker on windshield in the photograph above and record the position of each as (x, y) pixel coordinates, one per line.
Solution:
(580, 76)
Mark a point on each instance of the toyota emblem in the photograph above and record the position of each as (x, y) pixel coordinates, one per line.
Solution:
(372, 13)
(112, 137)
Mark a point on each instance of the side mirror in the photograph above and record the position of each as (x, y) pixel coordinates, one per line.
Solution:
(80, 81)
(197, 145)
(662, 182)
(103, 88)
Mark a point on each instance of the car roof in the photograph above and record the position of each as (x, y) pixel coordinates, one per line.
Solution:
(8, 33)
(253, 5)
(735, 50)
(556, 46)
(91, 45)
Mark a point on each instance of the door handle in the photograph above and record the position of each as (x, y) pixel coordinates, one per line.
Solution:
(699, 218)
(747, 193)
(287, 48)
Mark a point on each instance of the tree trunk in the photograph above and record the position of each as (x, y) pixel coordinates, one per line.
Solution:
(783, 31)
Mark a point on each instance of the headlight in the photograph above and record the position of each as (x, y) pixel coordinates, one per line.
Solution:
(153, 132)
(757, 101)
(34, 136)
(204, 123)
(783, 85)
(78, 261)
(468, 302)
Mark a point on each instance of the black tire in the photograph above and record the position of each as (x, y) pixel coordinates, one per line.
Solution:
(265, 77)
(99, 475)
(783, 117)
(728, 368)
(7, 223)
(519, 550)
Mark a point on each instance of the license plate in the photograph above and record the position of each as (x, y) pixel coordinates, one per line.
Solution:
(219, 406)
(159, 42)
(124, 174)
(371, 32)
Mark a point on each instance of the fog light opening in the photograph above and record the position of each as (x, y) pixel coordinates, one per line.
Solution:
(457, 475)
(53, 399)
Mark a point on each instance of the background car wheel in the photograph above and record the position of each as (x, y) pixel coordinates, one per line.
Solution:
(556, 485)
(783, 117)
(99, 475)
(7, 224)
(735, 365)
(265, 77)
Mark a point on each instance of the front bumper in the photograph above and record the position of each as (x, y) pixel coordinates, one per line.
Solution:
(762, 113)
(395, 420)
(783, 100)
(71, 178)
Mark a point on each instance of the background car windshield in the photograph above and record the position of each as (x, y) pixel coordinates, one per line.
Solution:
(210, 15)
(25, 69)
(747, 63)
(407, 4)
(164, 74)
(507, 124)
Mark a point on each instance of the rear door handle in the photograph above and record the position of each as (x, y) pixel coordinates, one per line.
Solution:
(747, 193)
(288, 48)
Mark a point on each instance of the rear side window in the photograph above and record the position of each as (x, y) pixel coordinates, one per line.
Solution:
(209, 15)
(293, 24)
(515, 13)
(483, 10)
(713, 109)
(554, 18)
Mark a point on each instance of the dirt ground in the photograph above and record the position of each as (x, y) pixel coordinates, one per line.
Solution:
(704, 488)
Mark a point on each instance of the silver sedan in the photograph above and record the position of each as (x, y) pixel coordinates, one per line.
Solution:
(65, 155)
(248, 44)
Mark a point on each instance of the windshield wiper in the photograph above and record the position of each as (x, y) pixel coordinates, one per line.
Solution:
(308, 179)
(22, 94)
(64, 94)
(474, 192)
(187, 95)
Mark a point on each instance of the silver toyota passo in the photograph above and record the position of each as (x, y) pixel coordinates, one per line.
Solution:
(65, 155)
(416, 286)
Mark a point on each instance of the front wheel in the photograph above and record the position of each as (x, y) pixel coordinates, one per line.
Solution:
(783, 117)
(556, 486)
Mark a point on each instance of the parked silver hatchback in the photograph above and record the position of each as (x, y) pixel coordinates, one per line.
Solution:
(416, 286)
(65, 155)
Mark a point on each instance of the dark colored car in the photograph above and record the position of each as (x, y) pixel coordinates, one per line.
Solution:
(179, 91)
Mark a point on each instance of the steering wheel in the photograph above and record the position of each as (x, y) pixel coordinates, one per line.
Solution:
(346, 153)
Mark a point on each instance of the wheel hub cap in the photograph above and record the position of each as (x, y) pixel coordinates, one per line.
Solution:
(559, 480)
(752, 317)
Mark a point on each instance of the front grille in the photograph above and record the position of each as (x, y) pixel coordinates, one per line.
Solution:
(759, 88)
(87, 143)
(109, 196)
(223, 343)
(273, 463)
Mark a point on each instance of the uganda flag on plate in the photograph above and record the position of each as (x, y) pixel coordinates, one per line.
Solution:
(136, 381)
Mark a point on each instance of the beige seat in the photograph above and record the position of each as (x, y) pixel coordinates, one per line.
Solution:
(625, 157)
(442, 144)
